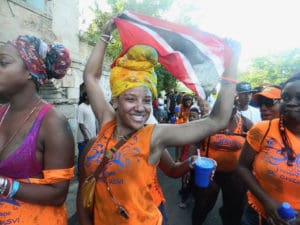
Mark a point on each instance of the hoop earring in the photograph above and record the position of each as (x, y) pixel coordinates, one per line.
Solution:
(115, 106)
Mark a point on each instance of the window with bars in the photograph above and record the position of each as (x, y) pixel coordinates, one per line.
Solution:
(37, 4)
(42, 7)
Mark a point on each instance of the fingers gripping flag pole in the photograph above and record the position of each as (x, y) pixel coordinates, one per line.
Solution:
(194, 57)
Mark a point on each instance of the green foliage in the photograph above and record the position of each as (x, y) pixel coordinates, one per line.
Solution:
(165, 81)
(92, 35)
(272, 69)
(153, 7)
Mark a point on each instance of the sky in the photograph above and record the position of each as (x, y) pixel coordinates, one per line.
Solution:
(261, 26)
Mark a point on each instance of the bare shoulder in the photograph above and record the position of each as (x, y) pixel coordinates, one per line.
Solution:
(54, 117)
(55, 125)
(57, 139)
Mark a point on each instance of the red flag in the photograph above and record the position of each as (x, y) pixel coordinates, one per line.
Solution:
(194, 57)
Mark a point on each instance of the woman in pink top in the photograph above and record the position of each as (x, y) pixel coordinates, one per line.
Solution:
(269, 163)
(36, 142)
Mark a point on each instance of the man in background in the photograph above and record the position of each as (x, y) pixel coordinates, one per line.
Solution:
(244, 96)
(87, 123)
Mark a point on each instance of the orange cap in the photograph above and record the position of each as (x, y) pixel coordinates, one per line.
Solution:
(268, 92)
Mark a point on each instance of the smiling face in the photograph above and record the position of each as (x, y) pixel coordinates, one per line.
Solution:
(134, 107)
(12, 70)
(291, 100)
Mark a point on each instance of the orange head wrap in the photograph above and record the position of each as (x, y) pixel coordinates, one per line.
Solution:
(135, 69)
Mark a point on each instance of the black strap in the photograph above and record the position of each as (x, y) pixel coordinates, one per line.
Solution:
(244, 124)
(206, 146)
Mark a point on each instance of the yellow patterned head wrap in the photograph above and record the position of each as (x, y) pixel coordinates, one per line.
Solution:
(135, 69)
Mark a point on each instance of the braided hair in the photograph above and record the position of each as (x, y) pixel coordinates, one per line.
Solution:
(287, 148)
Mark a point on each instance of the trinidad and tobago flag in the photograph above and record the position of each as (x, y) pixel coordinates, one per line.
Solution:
(194, 57)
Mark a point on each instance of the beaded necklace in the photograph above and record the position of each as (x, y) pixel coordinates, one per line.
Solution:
(26, 118)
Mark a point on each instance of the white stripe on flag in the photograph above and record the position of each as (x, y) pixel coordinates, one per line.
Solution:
(194, 57)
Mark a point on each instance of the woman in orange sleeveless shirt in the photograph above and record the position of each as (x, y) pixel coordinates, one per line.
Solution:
(269, 163)
(224, 147)
(122, 194)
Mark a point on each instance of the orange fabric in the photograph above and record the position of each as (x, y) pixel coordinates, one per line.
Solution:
(279, 181)
(268, 92)
(130, 178)
(17, 212)
(225, 149)
(183, 115)
(53, 176)
(156, 192)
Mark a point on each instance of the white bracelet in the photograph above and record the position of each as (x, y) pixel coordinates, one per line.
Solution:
(3, 186)
(104, 36)
(190, 161)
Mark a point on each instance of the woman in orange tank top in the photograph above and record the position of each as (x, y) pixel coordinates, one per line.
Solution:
(224, 147)
(269, 163)
(122, 194)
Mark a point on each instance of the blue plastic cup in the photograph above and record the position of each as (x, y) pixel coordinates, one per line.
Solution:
(286, 212)
(173, 119)
(203, 168)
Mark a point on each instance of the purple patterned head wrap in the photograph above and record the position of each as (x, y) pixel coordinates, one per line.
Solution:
(43, 61)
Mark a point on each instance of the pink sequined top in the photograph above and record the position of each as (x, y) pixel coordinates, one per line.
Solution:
(22, 163)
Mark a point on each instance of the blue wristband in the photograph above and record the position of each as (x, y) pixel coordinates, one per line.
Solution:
(15, 188)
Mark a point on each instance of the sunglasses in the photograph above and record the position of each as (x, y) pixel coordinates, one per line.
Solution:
(268, 102)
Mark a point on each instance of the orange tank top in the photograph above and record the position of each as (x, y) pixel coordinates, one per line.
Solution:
(156, 192)
(129, 176)
(280, 181)
(225, 149)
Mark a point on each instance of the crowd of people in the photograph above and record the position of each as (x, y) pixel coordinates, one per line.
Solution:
(256, 149)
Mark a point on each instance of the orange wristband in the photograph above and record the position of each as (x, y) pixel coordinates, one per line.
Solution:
(228, 80)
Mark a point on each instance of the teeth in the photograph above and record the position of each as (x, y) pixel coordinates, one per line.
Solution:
(138, 117)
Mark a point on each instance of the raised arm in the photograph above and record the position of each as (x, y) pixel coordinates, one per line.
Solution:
(172, 135)
(92, 74)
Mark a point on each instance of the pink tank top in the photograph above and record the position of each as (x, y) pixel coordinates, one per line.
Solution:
(25, 154)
